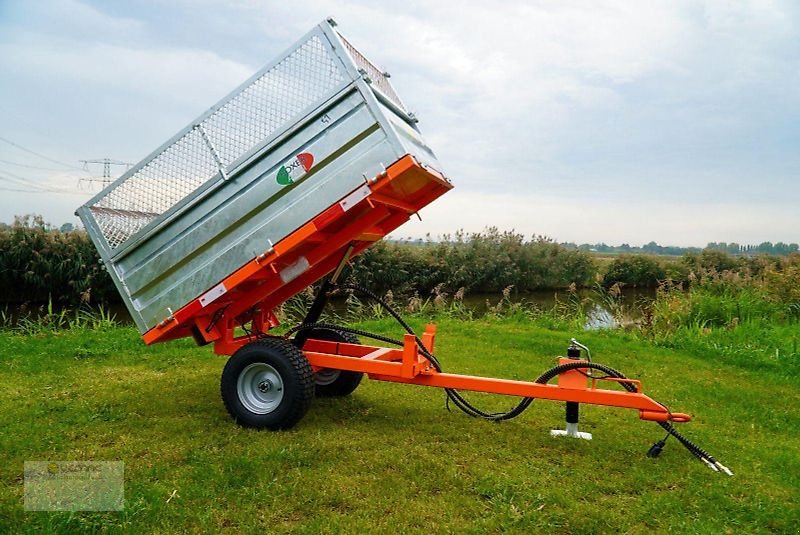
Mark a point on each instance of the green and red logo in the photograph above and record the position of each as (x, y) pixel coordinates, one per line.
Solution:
(301, 164)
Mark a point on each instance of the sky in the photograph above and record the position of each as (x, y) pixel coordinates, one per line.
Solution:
(606, 121)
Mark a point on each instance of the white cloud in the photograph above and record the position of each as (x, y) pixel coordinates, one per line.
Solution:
(171, 74)
(76, 19)
(545, 101)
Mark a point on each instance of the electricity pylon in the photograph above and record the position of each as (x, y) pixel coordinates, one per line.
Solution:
(106, 179)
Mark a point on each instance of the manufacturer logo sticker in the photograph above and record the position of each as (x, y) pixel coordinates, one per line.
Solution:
(290, 171)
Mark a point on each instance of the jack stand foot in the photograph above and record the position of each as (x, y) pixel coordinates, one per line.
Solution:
(571, 431)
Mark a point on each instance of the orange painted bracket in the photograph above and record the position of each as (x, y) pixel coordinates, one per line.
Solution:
(573, 378)
(286, 268)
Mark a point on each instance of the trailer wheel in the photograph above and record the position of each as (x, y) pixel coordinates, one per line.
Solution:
(335, 383)
(267, 384)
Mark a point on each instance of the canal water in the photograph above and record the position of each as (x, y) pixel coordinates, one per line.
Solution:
(628, 308)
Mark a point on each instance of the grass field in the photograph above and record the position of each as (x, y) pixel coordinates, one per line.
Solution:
(391, 458)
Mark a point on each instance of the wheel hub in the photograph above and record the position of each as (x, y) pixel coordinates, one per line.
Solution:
(326, 376)
(260, 388)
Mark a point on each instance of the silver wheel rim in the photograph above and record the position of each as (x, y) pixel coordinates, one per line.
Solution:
(260, 388)
(326, 376)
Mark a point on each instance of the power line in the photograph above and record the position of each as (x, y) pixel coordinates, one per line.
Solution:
(106, 178)
(52, 160)
(12, 183)
(14, 179)
(7, 172)
(40, 188)
(23, 180)
(30, 166)
(41, 191)
(23, 190)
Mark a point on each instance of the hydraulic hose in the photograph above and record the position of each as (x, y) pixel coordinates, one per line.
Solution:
(458, 399)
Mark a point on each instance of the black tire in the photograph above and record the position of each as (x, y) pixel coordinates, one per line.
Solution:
(335, 383)
(267, 384)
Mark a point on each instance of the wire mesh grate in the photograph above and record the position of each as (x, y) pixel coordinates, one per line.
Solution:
(376, 76)
(245, 120)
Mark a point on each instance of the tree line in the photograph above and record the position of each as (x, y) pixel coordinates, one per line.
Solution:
(779, 248)
(39, 263)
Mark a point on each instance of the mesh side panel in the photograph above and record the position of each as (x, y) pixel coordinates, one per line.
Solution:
(151, 191)
(376, 76)
(291, 86)
(274, 99)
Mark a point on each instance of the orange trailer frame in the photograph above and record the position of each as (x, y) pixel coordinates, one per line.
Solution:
(380, 205)
(408, 365)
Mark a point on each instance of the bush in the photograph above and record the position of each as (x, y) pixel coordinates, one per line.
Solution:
(783, 288)
(38, 264)
(484, 262)
(638, 271)
(710, 260)
(729, 299)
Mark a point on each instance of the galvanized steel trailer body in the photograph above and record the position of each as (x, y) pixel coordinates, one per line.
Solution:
(294, 139)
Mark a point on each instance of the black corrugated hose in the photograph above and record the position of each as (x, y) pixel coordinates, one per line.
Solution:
(459, 401)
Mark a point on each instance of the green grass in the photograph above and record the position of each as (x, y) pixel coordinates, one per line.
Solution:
(390, 458)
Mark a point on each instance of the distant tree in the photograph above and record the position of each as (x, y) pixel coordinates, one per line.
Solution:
(714, 246)
(67, 227)
(634, 270)
(781, 248)
(652, 247)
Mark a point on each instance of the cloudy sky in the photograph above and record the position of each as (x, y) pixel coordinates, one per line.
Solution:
(615, 121)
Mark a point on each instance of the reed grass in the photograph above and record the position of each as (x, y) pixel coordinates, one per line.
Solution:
(49, 319)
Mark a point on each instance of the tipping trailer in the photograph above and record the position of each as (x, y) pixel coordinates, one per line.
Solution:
(282, 182)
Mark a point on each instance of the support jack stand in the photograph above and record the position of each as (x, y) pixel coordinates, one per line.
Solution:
(573, 353)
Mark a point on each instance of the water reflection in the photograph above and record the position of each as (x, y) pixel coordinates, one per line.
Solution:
(600, 313)
(627, 306)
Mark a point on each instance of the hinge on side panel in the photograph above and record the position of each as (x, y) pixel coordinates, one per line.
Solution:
(262, 256)
(364, 75)
(168, 319)
(213, 151)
